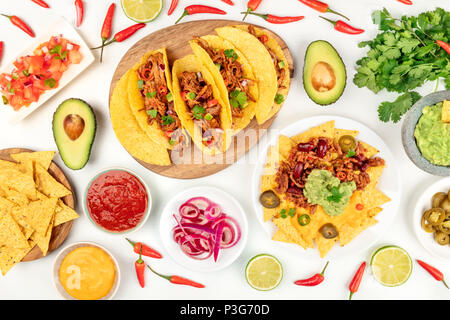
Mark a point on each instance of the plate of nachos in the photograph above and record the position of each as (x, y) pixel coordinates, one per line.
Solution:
(327, 183)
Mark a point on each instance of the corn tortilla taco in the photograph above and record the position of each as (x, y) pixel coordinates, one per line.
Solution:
(233, 76)
(151, 99)
(200, 107)
(269, 65)
(128, 131)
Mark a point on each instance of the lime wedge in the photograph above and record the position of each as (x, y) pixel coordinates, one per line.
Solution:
(391, 266)
(142, 11)
(264, 272)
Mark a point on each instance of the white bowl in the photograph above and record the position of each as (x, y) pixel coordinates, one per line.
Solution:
(64, 252)
(423, 204)
(149, 201)
(229, 205)
(389, 184)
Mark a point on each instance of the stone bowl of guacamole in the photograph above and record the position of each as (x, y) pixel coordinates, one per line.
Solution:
(426, 134)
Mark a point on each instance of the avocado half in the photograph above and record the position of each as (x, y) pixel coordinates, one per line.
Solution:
(324, 74)
(74, 127)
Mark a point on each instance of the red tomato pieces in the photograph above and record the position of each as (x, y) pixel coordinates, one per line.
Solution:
(34, 74)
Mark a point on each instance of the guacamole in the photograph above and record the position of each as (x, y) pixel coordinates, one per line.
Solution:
(433, 136)
(326, 190)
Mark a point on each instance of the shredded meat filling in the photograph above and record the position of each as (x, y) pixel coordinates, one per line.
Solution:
(291, 181)
(232, 73)
(204, 108)
(156, 103)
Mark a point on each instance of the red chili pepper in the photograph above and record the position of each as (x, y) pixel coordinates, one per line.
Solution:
(1, 50)
(314, 280)
(124, 34)
(409, 2)
(433, 271)
(42, 3)
(356, 281)
(276, 19)
(344, 27)
(15, 20)
(146, 250)
(178, 280)
(197, 8)
(228, 2)
(444, 45)
(321, 7)
(252, 5)
(79, 6)
(173, 6)
(106, 28)
(139, 265)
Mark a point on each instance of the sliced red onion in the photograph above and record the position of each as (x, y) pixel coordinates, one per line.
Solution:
(27, 84)
(213, 211)
(44, 49)
(69, 46)
(189, 211)
(204, 229)
(162, 67)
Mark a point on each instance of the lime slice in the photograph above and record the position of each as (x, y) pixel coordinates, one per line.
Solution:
(142, 11)
(391, 266)
(264, 272)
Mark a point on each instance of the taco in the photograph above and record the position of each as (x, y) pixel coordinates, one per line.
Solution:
(151, 99)
(269, 65)
(200, 107)
(129, 133)
(233, 76)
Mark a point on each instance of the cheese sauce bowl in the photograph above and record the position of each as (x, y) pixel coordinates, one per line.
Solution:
(77, 265)
(117, 201)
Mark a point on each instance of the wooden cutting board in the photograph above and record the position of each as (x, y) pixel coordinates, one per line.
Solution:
(176, 40)
(59, 233)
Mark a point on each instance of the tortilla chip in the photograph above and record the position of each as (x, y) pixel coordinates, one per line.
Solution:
(324, 245)
(374, 174)
(8, 164)
(64, 213)
(9, 257)
(14, 196)
(285, 145)
(39, 214)
(48, 185)
(128, 131)
(370, 151)
(44, 158)
(26, 167)
(374, 212)
(287, 227)
(14, 179)
(324, 130)
(43, 241)
(344, 132)
(282, 237)
(10, 234)
(372, 198)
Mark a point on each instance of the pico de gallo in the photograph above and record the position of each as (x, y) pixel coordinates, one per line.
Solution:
(34, 74)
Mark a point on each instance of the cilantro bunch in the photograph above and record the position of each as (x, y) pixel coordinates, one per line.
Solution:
(403, 56)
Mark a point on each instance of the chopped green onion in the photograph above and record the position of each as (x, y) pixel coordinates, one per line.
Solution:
(171, 142)
(150, 94)
(140, 84)
(281, 64)
(152, 113)
(208, 117)
(191, 95)
(169, 97)
(279, 98)
(218, 65)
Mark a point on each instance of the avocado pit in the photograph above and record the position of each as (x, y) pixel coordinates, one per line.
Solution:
(323, 78)
(73, 126)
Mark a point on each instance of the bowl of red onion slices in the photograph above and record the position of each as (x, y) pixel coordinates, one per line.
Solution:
(204, 229)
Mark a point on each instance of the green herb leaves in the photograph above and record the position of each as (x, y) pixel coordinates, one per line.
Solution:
(403, 56)
(229, 53)
(198, 112)
(238, 99)
(57, 51)
(336, 196)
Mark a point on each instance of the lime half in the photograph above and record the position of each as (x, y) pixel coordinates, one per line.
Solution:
(142, 11)
(264, 272)
(391, 266)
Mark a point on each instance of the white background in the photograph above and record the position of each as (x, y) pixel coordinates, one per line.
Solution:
(33, 280)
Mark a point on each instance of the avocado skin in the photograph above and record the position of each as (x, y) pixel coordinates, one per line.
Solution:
(311, 94)
(56, 132)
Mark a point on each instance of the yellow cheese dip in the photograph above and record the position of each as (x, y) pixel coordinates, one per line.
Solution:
(87, 273)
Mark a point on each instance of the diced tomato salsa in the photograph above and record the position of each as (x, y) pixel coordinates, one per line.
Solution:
(34, 74)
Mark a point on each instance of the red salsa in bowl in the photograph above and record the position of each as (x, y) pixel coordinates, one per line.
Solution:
(117, 201)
